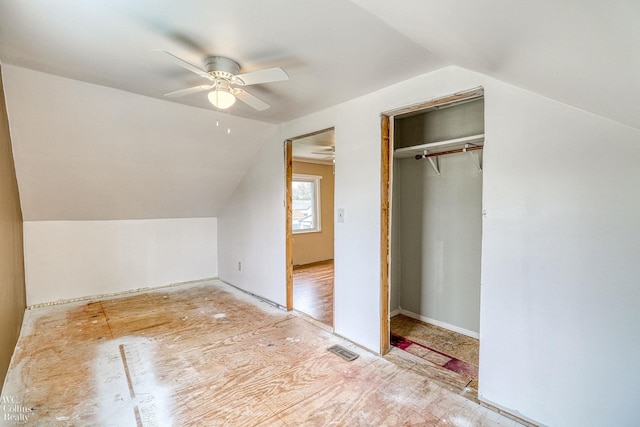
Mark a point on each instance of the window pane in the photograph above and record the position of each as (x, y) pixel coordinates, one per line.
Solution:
(304, 209)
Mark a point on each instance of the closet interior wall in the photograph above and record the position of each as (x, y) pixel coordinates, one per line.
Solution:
(436, 224)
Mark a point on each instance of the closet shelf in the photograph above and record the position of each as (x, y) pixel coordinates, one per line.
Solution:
(439, 146)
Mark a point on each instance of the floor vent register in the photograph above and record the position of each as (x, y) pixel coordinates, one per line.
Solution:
(343, 352)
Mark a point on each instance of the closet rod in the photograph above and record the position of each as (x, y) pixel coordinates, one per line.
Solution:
(442, 153)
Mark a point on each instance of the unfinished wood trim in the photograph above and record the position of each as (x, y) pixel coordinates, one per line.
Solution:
(385, 192)
(438, 102)
(306, 135)
(288, 148)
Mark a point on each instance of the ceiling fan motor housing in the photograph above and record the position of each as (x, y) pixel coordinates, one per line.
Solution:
(221, 67)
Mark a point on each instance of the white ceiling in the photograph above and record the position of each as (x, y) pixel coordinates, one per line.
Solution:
(332, 49)
(581, 52)
(584, 53)
(315, 148)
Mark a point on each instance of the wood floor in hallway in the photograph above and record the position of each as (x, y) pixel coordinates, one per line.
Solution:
(207, 354)
(313, 290)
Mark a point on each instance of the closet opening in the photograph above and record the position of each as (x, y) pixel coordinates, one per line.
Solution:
(434, 236)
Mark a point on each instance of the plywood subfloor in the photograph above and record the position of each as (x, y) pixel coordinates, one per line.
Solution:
(313, 290)
(447, 357)
(208, 354)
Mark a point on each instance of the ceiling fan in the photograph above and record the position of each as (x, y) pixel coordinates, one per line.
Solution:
(223, 75)
(327, 152)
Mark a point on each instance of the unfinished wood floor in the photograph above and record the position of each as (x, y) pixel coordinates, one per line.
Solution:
(206, 355)
(313, 290)
(447, 357)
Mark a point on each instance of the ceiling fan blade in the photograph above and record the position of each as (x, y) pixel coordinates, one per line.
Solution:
(184, 64)
(250, 100)
(262, 76)
(188, 91)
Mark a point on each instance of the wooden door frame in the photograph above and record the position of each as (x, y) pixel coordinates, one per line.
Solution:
(386, 182)
(385, 229)
(288, 203)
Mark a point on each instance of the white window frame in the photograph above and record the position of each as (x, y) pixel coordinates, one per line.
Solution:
(317, 209)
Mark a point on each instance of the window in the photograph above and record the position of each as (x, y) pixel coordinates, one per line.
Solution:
(305, 193)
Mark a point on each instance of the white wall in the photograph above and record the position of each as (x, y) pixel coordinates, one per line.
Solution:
(72, 259)
(560, 276)
(252, 227)
(258, 204)
(560, 292)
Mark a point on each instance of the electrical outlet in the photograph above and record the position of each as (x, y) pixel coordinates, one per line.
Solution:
(239, 266)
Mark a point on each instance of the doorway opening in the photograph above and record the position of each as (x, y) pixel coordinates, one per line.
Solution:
(310, 166)
(432, 235)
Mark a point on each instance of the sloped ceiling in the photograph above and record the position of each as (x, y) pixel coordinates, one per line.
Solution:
(88, 152)
(332, 49)
(583, 53)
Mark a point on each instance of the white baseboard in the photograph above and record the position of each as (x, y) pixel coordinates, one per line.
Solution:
(439, 323)
(514, 415)
(394, 312)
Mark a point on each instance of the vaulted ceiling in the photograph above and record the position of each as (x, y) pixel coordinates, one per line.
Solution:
(583, 53)
(580, 52)
(332, 50)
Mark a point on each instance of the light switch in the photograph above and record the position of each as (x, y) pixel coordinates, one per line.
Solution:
(341, 215)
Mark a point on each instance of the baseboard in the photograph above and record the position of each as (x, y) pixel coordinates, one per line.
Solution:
(313, 321)
(439, 323)
(258, 297)
(117, 294)
(509, 414)
(394, 312)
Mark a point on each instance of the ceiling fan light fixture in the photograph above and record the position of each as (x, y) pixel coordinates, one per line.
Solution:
(221, 98)
(222, 73)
